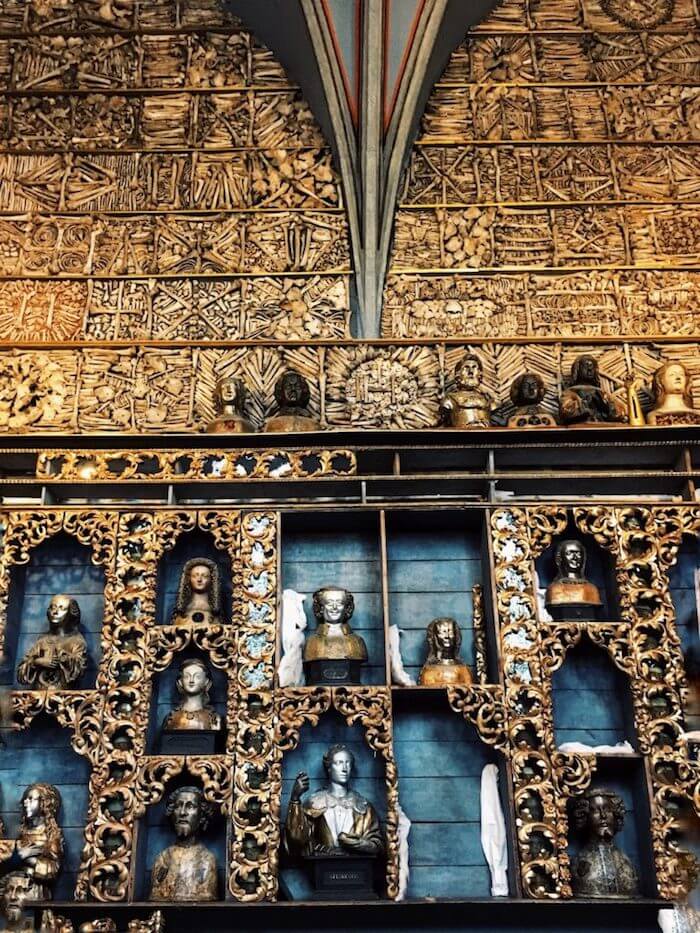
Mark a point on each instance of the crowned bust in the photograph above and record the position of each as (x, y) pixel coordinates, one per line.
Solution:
(198, 594)
(443, 666)
(570, 596)
(333, 653)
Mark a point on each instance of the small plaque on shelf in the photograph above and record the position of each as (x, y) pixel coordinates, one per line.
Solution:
(332, 672)
(341, 877)
(191, 742)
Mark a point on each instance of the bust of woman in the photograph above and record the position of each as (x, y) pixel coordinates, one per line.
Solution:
(585, 402)
(194, 712)
(58, 659)
(601, 869)
(673, 403)
(443, 666)
(292, 395)
(40, 840)
(468, 405)
(198, 594)
(230, 398)
(526, 393)
(334, 820)
(333, 653)
(186, 870)
(570, 596)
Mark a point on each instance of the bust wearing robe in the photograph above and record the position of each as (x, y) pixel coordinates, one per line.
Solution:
(443, 666)
(194, 712)
(333, 820)
(199, 593)
(334, 639)
(526, 393)
(186, 870)
(58, 659)
(584, 401)
(40, 840)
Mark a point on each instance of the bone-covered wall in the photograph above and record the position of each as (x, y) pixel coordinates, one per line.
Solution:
(160, 178)
(553, 187)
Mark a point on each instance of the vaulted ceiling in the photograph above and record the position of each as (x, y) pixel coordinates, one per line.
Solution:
(366, 68)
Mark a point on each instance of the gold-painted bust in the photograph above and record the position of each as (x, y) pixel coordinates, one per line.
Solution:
(40, 840)
(230, 398)
(526, 393)
(570, 596)
(186, 870)
(15, 891)
(673, 402)
(292, 395)
(468, 405)
(198, 594)
(195, 712)
(443, 666)
(333, 641)
(58, 659)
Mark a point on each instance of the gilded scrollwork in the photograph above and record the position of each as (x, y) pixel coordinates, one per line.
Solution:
(483, 706)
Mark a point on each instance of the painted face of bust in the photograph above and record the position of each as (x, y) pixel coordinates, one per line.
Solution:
(228, 391)
(445, 637)
(601, 818)
(588, 370)
(194, 680)
(58, 610)
(31, 803)
(200, 578)
(333, 606)
(340, 768)
(572, 557)
(469, 373)
(292, 389)
(529, 390)
(675, 379)
(186, 814)
(16, 890)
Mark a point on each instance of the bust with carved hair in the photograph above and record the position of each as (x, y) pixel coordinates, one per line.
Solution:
(585, 401)
(333, 653)
(468, 405)
(292, 395)
(186, 870)
(333, 820)
(199, 593)
(443, 666)
(526, 393)
(601, 869)
(40, 840)
(673, 403)
(15, 888)
(230, 398)
(58, 659)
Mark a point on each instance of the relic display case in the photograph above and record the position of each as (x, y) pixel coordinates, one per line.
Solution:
(299, 630)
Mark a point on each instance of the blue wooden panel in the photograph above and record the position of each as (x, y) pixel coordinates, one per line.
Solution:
(439, 761)
(43, 753)
(591, 699)
(347, 558)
